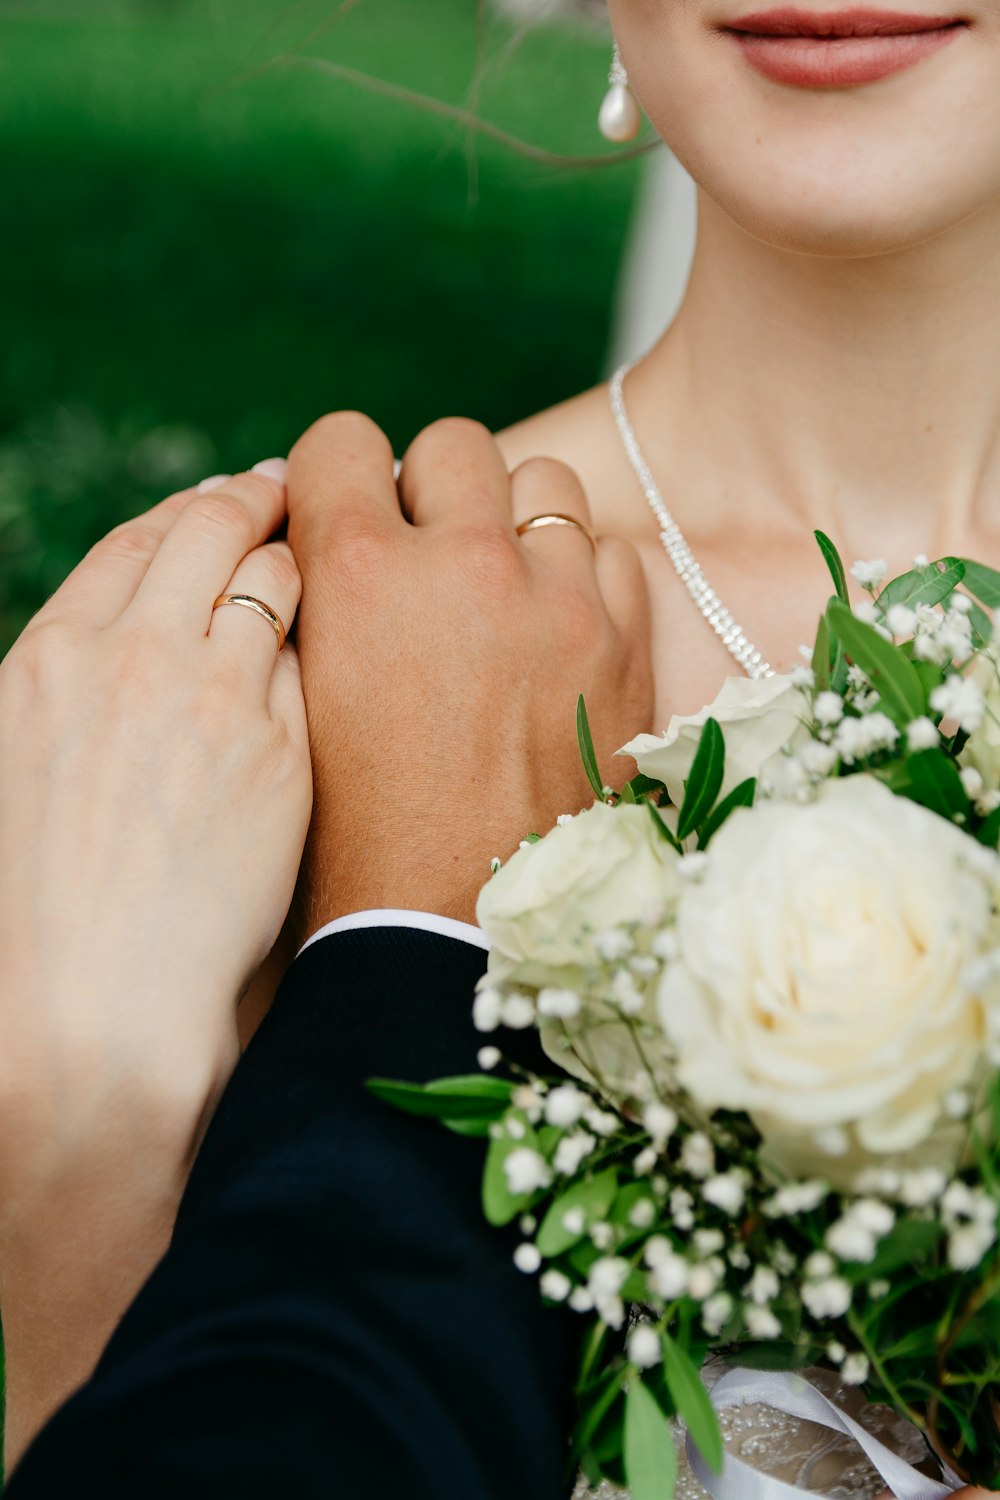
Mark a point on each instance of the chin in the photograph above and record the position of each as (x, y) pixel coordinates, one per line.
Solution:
(849, 199)
(835, 223)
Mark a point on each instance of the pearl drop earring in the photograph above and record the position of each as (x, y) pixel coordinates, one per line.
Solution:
(620, 119)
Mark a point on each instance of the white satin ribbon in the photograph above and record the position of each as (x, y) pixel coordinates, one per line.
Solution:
(791, 1394)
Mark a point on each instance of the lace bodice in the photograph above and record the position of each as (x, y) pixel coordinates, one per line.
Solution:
(799, 1452)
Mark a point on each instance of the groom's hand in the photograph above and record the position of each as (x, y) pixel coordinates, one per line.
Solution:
(443, 656)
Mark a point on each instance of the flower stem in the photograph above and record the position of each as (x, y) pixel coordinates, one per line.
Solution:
(858, 1329)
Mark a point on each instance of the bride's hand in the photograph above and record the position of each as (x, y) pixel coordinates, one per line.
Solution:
(154, 796)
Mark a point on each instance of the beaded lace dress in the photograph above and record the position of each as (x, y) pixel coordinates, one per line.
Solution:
(795, 1451)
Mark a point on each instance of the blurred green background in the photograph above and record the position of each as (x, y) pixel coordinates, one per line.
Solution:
(209, 240)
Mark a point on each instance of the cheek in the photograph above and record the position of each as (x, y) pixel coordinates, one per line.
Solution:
(856, 171)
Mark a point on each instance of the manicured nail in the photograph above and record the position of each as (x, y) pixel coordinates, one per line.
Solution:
(213, 483)
(272, 468)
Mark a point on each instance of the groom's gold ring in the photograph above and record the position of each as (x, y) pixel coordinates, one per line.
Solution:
(537, 522)
(259, 607)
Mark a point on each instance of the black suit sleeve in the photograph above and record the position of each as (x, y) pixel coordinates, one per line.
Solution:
(334, 1317)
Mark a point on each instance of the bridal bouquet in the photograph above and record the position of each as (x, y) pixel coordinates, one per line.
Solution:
(771, 969)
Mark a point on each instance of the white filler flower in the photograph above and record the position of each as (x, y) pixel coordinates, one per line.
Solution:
(820, 979)
(758, 718)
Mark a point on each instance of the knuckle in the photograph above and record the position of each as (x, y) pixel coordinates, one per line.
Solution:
(360, 549)
(491, 557)
(134, 541)
(282, 572)
(35, 672)
(222, 511)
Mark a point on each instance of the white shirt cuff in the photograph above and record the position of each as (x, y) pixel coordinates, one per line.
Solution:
(423, 921)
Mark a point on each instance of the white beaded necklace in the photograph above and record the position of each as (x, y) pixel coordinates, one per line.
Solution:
(688, 570)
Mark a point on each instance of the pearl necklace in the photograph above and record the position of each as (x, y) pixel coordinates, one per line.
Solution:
(688, 571)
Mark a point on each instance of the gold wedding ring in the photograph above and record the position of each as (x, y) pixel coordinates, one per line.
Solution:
(537, 522)
(259, 607)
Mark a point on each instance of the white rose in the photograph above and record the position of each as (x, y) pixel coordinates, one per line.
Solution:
(547, 912)
(544, 909)
(982, 750)
(758, 717)
(820, 979)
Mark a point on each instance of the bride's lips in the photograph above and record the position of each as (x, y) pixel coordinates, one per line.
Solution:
(836, 48)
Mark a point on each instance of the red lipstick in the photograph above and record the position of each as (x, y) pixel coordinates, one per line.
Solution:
(837, 49)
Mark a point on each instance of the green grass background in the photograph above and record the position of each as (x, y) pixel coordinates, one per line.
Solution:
(204, 249)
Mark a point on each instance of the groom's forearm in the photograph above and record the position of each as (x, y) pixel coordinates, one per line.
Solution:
(334, 1314)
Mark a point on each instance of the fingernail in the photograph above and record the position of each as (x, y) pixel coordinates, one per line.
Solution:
(213, 483)
(272, 468)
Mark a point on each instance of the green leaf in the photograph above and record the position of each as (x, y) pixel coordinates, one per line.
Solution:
(740, 796)
(935, 783)
(891, 674)
(919, 1343)
(476, 1097)
(650, 1450)
(630, 1195)
(594, 1413)
(662, 828)
(499, 1204)
(982, 627)
(477, 1129)
(982, 582)
(647, 786)
(587, 753)
(929, 585)
(989, 830)
(822, 657)
(931, 676)
(705, 781)
(594, 1197)
(833, 562)
(691, 1399)
(831, 674)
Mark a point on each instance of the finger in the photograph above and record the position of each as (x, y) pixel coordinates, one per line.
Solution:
(103, 585)
(546, 487)
(285, 696)
(340, 481)
(622, 582)
(251, 642)
(454, 471)
(200, 554)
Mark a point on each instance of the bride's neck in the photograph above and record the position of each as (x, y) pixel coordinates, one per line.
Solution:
(862, 396)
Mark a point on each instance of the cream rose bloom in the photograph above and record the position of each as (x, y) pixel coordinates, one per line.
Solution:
(982, 751)
(541, 911)
(758, 718)
(820, 979)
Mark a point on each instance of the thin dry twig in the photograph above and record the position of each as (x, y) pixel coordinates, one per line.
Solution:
(453, 112)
